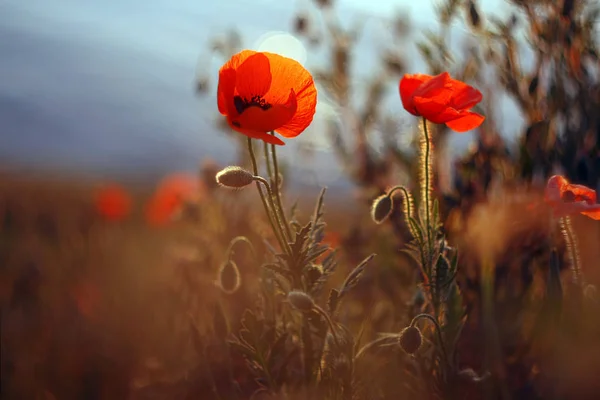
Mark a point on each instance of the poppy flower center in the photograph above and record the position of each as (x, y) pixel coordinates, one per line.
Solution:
(242, 104)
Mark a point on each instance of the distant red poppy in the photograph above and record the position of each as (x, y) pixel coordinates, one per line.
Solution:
(112, 202)
(441, 100)
(261, 92)
(168, 197)
(566, 198)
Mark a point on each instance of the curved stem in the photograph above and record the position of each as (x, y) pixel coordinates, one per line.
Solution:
(238, 239)
(329, 322)
(260, 179)
(286, 225)
(438, 331)
(372, 344)
(270, 213)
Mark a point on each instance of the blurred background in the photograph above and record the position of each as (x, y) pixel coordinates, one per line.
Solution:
(107, 89)
(118, 296)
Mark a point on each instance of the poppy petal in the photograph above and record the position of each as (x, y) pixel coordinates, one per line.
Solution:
(408, 85)
(593, 213)
(226, 91)
(290, 74)
(467, 121)
(554, 187)
(253, 76)
(267, 137)
(259, 120)
(170, 193)
(578, 193)
(439, 85)
(112, 202)
(435, 109)
(464, 96)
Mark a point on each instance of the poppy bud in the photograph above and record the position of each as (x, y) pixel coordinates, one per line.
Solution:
(410, 339)
(301, 300)
(229, 277)
(234, 177)
(382, 208)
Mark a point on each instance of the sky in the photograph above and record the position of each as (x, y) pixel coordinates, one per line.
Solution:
(106, 86)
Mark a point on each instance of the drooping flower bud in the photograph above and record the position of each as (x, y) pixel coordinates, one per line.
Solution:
(382, 208)
(229, 277)
(301, 301)
(411, 339)
(234, 177)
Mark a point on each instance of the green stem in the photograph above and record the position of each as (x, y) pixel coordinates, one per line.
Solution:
(270, 213)
(277, 191)
(268, 161)
(273, 206)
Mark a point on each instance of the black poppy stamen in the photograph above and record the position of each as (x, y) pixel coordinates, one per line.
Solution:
(242, 104)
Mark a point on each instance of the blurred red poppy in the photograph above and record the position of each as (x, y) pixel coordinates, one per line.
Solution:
(262, 92)
(112, 202)
(441, 100)
(566, 198)
(168, 197)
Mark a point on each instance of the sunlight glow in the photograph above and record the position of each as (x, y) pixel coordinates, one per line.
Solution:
(282, 43)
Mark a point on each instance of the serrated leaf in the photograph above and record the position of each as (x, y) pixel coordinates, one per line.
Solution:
(332, 300)
(278, 269)
(243, 349)
(354, 276)
(315, 252)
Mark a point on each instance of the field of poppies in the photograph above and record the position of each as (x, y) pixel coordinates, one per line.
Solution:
(218, 285)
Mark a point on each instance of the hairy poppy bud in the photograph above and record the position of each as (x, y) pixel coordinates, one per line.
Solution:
(410, 339)
(234, 177)
(229, 277)
(300, 300)
(382, 208)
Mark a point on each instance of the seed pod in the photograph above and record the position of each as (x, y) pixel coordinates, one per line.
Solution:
(300, 300)
(411, 339)
(229, 277)
(382, 208)
(234, 177)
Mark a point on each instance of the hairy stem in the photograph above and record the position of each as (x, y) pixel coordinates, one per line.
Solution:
(572, 249)
(270, 213)
(286, 225)
(271, 200)
(438, 331)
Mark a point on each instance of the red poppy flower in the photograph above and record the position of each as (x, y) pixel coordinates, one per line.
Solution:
(112, 202)
(262, 92)
(441, 100)
(169, 196)
(566, 198)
